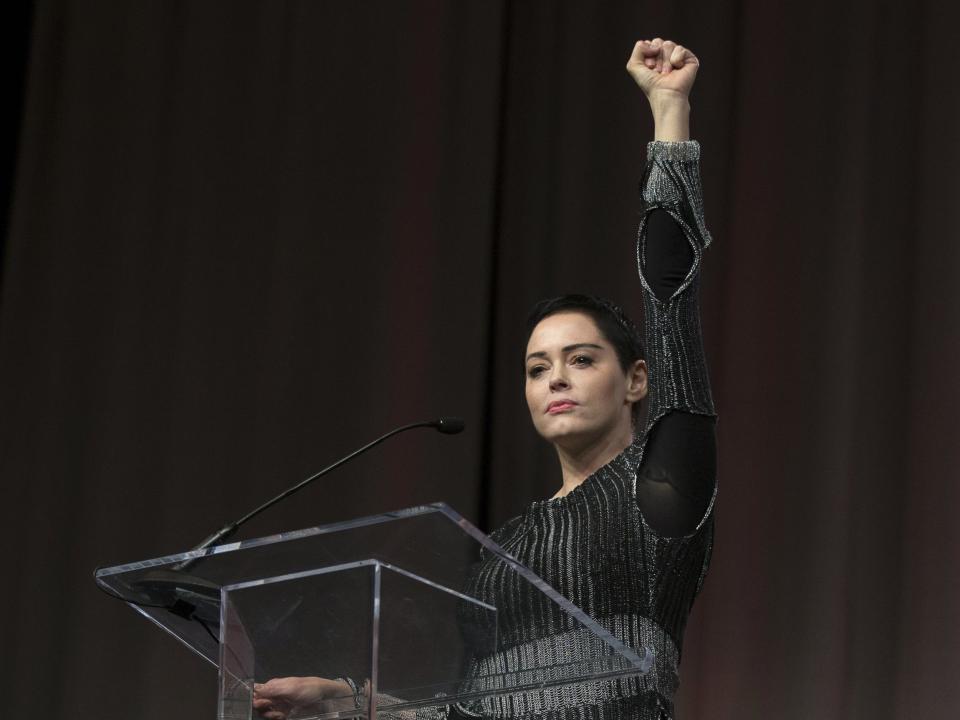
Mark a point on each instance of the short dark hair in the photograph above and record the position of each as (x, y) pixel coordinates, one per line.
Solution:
(610, 319)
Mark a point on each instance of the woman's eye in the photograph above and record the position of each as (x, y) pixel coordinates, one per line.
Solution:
(535, 371)
(582, 360)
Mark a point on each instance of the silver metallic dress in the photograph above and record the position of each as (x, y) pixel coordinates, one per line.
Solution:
(594, 545)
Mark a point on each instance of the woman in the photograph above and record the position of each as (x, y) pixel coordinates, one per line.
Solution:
(628, 535)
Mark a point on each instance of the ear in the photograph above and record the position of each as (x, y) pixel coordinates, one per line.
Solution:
(637, 381)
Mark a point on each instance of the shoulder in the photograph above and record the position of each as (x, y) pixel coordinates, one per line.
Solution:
(507, 530)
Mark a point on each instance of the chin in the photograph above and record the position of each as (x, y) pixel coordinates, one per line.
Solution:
(578, 431)
(567, 429)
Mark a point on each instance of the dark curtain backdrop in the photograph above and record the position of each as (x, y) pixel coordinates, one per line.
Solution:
(246, 237)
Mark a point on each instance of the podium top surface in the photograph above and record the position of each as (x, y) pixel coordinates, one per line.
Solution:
(391, 598)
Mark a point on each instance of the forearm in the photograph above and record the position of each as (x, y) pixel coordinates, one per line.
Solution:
(671, 117)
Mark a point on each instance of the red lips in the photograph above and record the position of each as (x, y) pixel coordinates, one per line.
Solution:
(558, 406)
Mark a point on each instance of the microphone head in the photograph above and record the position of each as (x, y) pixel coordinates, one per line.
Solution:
(449, 425)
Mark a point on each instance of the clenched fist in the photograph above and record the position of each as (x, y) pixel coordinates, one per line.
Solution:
(663, 68)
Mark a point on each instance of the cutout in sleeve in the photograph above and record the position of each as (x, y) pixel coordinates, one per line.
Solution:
(677, 476)
(668, 255)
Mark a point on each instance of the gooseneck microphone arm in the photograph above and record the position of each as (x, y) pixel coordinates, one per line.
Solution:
(446, 425)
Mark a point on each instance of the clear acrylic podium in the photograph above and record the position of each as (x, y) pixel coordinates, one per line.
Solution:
(386, 601)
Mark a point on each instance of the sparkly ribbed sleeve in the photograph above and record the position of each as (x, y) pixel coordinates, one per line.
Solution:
(676, 479)
(674, 347)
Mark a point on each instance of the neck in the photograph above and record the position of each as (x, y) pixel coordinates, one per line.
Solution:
(579, 463)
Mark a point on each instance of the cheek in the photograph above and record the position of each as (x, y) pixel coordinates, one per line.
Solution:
(529, 391)
(610, 391)
(534, 403)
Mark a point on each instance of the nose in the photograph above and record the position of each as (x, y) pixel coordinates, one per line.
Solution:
(558, 378)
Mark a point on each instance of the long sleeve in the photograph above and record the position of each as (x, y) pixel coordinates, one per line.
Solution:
(675, 358)
(676, 478)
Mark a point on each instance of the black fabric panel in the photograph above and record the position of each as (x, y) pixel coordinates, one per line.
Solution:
(668, 254)
(677, 476)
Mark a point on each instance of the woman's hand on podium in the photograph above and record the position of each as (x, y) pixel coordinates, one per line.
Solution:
(278, 698)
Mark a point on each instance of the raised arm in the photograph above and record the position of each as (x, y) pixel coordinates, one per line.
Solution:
(676, 478)
(676, 365)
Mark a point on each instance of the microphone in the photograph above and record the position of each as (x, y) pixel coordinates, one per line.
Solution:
(445, 425)
(448, 425)
(193, 597)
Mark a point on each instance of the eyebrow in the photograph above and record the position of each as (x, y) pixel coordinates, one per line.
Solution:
(567, 349)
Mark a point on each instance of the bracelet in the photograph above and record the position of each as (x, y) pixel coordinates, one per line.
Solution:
(356, 693)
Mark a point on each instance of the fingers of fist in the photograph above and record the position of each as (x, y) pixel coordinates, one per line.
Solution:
(661, 56)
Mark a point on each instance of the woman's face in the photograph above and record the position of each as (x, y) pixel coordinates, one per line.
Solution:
(576, 390)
